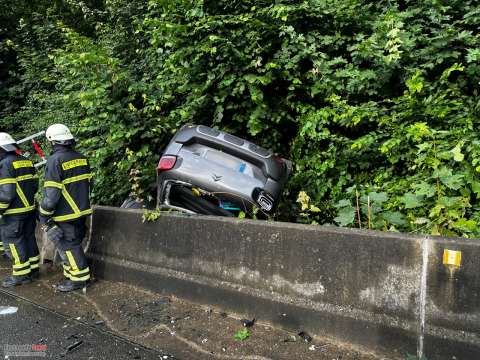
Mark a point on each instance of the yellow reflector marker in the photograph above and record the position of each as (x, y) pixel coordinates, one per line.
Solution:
(452, 257)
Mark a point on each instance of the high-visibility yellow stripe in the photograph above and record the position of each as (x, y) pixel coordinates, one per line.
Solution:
(27, 207)
(22, 196)
(24, 265)
(77, 178)
(81, 278)
(34, 258)
(72, 216)
(26, 177)
(53, 184)
(34, 266)
(66, 271)
(70, 201)
(22, 164)
(74, 163)
(71, 260)
(45, 212)
(18, 178)
(20, 210)
(75, 274)
(14, 252)
(20, 269)
(8, 181)
(21, 272)
(76, 211)
(80, 272)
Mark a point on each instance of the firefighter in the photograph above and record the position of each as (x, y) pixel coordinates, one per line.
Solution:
(66, 205)
(18, 186)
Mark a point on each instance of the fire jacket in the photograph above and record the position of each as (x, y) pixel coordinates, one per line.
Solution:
(66, 194)
(18, 185)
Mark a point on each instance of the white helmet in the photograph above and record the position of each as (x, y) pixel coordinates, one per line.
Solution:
(59, 133)
(7, 143)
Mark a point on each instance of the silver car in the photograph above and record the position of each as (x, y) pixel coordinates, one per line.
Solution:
(207, 171)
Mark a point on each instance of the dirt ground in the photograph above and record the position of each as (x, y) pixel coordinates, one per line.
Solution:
(174, 326)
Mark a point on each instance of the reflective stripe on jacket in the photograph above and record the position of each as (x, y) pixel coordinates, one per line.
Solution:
(66, 194)
(18, 185)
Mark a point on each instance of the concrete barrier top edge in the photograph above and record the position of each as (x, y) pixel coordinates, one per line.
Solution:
(306, 227)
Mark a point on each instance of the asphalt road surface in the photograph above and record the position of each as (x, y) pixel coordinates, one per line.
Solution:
(113, 320)
(39, 332)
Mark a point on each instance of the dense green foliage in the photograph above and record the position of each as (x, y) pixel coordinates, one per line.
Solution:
(376, 102)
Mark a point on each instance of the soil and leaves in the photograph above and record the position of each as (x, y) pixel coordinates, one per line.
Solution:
(376, 102)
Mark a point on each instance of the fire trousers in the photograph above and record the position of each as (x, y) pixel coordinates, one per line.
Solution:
(20, 244)
(75, 265)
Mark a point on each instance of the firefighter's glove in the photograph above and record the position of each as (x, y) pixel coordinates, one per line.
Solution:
(54, 233)
(47, 225)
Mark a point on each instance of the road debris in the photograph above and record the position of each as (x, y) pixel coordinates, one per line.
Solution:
(305, 336)
(291, 338)
(8, 310)
(75, 345)
(247, 322)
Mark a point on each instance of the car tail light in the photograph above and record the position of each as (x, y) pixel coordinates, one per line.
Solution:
(166, 163)
(278, 159)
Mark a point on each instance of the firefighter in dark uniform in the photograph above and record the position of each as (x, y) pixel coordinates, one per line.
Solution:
(66, 205)
(18, 186)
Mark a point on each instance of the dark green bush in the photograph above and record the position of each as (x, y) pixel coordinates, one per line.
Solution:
(376, 102)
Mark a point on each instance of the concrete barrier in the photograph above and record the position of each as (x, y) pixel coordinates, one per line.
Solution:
(389, 292)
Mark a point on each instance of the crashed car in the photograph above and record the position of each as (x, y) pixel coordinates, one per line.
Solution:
(208, 171)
